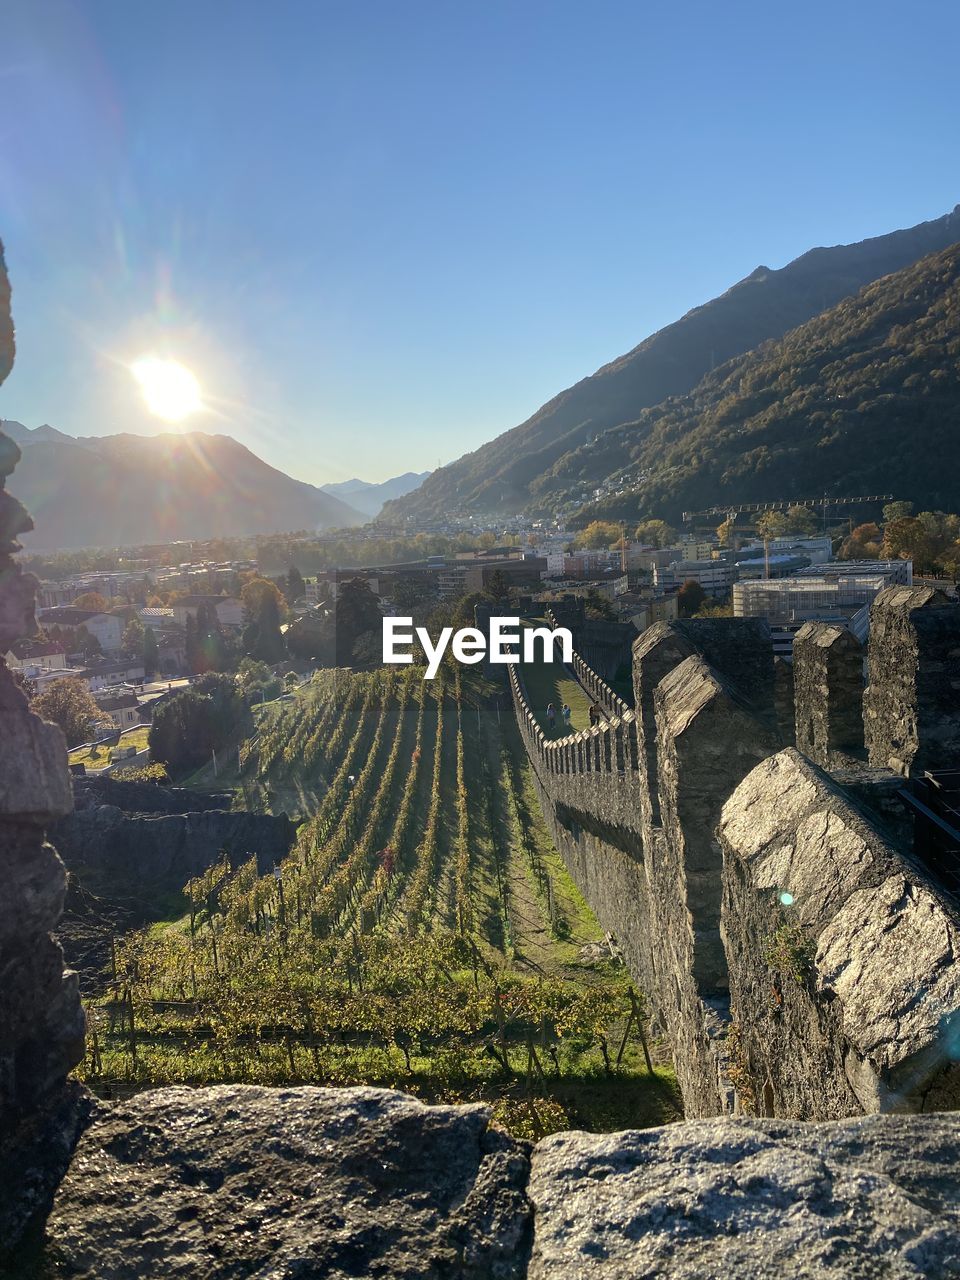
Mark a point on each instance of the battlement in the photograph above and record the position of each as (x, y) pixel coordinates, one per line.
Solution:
(769, 901)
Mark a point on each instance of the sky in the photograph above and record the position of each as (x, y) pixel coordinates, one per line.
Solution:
(380, 234)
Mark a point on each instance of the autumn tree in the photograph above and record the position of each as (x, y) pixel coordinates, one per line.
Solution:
(909, 539)
(597, 535)
(68, 703)
(865, 542)
(654, 533)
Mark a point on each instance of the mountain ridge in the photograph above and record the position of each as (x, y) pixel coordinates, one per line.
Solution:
(125, 488)
(763, 306)
(862, 398)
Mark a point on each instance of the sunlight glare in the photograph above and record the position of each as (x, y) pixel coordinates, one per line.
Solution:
(168, 387)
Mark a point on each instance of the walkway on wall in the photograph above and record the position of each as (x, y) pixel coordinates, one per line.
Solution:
(548, 682)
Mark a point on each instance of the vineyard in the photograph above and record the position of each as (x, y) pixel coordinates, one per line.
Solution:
(422, 934)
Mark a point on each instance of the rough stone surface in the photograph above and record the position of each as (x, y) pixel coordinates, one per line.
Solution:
(828, 691)
(708, 741)
(41, 1019)
(869, 1199)
(841, 954)
(239, 1181)
(122, 854)
(33, 1160)
(911, 707)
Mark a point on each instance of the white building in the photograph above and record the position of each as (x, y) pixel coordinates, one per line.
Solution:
(108, 628)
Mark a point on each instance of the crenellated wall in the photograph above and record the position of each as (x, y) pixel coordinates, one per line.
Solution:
(792, 945)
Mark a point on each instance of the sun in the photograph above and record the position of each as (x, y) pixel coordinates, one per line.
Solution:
(168, 387)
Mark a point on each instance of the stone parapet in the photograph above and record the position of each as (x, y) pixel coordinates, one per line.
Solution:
(843, 984)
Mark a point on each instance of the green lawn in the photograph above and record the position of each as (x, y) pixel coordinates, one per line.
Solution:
(135, 738)
(551, 682)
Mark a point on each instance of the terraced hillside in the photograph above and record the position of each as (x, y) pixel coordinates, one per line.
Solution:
(423, 932)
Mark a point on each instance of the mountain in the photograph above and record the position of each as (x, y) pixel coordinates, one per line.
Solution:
(369, 498)
(123, 489)
(765, 305)
(863, 399)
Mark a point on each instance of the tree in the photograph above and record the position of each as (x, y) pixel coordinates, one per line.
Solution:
(133, 637)
(897, 511)
(68, 703)
(690, 598)
(296, 587)
(865, 542)
(654, 533)
(801, 521)
(93, 601)
(909, 539)
(182, 733)
(498, 588)
(725, 531)
(597, 535)
(151, 651)
(771, 524)
(599, 607)
(86, 643)
(189, 726)
(357, 613)
(409, 594)
(262, 637)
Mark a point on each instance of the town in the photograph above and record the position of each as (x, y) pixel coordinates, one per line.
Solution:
(134, 634)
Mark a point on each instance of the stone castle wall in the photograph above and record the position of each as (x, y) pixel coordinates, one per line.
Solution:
(767, 899)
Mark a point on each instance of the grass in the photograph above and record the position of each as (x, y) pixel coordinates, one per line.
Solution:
(551, 682)
(104, 755)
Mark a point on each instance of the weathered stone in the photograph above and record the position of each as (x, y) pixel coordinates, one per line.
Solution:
(122, 854)
(34, 781)
(783, 699)
(242, 1181)
(911, 706)
(708, 739)
(33, 1159)
(868, 1199)
(841, 954)
(828, 691)
(34, 884)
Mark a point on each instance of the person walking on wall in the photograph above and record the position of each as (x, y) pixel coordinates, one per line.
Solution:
(565, 712)
(551, 714)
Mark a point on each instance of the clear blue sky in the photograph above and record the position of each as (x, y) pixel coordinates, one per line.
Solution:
(382, 233)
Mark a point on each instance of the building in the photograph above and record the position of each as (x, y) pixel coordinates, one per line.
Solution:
(716, 577)
(228, 609)
(695, 547)
(107, 628)
(38, 653)
(894, 572)
(840, 592)
(113, 671)
(122, 707)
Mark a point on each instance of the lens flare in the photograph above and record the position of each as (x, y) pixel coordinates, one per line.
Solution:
(168, 387)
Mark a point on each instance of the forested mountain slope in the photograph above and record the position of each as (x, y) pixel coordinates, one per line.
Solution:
(863, 399)
(765, 305)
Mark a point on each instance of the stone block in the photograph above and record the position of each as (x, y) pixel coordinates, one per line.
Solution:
(828, 691)
(843, 985)
(911, 706)
(761, 1199)
(242, 1181)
